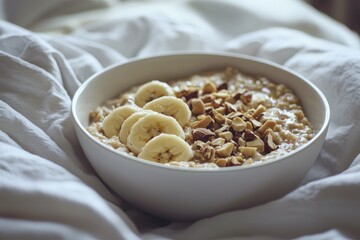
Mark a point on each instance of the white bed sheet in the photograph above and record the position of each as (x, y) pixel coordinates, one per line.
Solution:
(48, 189)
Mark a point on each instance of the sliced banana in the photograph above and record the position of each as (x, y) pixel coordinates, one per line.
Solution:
(128, 123)
(151, 91)
(166, 148)
(171, 106)
(150, 126)
(112, 122)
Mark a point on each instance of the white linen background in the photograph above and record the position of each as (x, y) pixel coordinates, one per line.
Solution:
(48, 189)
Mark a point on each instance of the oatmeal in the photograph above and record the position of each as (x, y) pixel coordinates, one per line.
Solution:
(209, 120)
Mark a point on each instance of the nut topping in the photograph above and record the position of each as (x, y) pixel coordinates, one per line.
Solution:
(259, 110)
(197, 106)
(222, 162)
(202, 134)
(249, 135)
(269, 144)
(209, 87)
(257, 143)
(268, 124)
(188, 94)
(224, 128)
(230, 107)
(246, 97)
(219, 118)
(226, 135)
(204, 122)
(234, 161)
(221, 110)
(222, 86)
(221, 94)
(225, 150)
(238, 124)
(218, 141)
(248, 151)
(249, 126)
(255, 123)
(203, 152)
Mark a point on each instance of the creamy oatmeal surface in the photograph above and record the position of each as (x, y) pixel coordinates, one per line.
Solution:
(225, 118)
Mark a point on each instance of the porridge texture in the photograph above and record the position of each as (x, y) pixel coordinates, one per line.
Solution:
(208, 120)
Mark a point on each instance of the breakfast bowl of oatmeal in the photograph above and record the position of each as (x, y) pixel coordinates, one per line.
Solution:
(190, 135)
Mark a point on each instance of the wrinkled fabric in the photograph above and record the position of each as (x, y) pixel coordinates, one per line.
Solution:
(48, 189)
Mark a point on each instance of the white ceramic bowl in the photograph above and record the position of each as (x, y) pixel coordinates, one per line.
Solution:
(188, 194)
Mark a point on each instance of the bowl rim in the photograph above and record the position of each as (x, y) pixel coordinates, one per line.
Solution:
(83, 86)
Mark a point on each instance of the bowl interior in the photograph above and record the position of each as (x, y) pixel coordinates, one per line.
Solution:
(119, 78)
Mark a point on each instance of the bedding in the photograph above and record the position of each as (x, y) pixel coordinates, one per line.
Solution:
(48, 189)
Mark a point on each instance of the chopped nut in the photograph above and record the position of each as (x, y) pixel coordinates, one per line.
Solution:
(234, 114)
(246, 97)
(209, 110)
(230, 107)
(222, 86)
(225, 150)
(248, 151)
(223, 128)
(226, 135)
(234, 161)
(230, 99)
(209, 154)
(202, 134)
(203, 152)
(259, 110)
(268, 124)
(216, 103)
(241, 142)
(228, 121)
(188, 93)
(249, 126)
(269, 144)
(221, 94)
(248, 115)
(249, 135)
(255, 123)
(238, 94)
(209, 87)
(257, 143)
(203, 123)
(198, 106)
(208, 98)
(238, 124)
(248, 161)
(275, 135)
(215, 126)
(222, 162)
(218, 141)
(221, 110)
(219, 118)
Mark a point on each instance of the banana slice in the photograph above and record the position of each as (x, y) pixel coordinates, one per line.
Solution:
(151, 91)
(150, 126)
(112, 122)
(166, 148)
(171, 106)
(128, 123)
